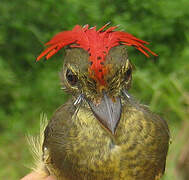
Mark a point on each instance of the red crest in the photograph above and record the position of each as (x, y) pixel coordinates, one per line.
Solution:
(97, 43)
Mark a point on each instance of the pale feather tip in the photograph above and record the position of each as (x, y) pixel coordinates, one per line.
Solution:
(35, 146)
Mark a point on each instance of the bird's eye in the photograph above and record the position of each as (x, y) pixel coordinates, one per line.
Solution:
(71, 77)
(128, 73)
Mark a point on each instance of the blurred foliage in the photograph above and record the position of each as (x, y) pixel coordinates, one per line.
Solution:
(28, 88)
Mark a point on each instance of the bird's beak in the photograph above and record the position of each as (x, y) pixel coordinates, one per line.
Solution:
(108, 112)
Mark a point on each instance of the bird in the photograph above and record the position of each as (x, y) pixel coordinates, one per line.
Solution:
(102, 132)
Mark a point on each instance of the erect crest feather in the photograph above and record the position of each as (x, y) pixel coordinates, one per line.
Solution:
(97, 43)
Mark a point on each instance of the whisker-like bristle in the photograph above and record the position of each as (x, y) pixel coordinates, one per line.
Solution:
(78, 100)
(131, 100)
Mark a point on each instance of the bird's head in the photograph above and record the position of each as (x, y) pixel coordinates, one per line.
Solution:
(78, 79)
(96, 68)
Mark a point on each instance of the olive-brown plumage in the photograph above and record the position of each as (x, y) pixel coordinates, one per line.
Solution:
(104, 134)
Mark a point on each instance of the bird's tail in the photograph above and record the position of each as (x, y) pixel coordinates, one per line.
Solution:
(35, 146)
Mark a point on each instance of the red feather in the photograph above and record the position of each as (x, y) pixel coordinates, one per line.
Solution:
(97, 43)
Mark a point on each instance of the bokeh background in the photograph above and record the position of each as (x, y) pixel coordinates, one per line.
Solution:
(27, 88)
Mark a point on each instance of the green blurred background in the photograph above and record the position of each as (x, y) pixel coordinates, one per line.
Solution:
(27, 88)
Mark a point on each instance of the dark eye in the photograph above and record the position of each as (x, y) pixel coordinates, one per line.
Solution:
(128, 74)
(71, 78)
(129, 71)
